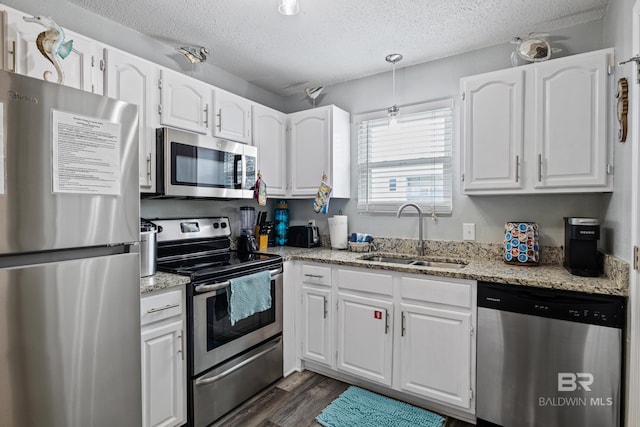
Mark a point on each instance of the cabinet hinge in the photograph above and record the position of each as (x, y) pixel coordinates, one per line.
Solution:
(470, 394)
(609, 168)
(102, 65)
(159, 83)
(472, 331)
(609, 69)
(93, 61)
(462, 96)
(462, 177)
(93, 88)
(636, 259)
(159, 108)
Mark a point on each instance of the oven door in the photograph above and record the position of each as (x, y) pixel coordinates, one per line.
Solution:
(195, 165)
(215, 339)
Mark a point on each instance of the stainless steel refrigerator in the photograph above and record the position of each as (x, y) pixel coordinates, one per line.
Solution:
(69, 277)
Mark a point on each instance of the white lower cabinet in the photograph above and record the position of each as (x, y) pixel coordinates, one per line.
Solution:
(412, 333)
(163, 359)
(435, 353)
(365, 341)
(317, 342)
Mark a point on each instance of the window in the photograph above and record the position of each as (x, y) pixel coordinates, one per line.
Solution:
(406, 162)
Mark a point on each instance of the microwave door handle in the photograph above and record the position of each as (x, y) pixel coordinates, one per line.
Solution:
(238, 166)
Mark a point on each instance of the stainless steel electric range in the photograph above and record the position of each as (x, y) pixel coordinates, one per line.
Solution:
(227, 364)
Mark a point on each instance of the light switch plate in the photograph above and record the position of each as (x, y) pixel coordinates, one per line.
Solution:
(468, 231)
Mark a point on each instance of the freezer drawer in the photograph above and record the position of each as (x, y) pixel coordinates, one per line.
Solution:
(70, 343)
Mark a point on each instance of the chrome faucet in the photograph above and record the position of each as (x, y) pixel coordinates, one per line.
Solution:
(420, 242)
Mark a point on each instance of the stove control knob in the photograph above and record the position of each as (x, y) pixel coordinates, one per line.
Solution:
(223, 225)
(216, 225)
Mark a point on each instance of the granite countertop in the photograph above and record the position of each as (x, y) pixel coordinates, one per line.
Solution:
(544, 276)
(483, 263)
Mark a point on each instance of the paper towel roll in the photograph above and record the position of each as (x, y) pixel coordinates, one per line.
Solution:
(338, 231)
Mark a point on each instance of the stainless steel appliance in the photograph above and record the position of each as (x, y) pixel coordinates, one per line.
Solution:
(303, 236)
(227, 363)
(548, 358)
(148, 248)
(581, 246)
(69, 280)
(193, 165)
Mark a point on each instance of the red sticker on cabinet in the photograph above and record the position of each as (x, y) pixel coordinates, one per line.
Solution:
(377, 314)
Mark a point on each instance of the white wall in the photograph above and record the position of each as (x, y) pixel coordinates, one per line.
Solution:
(89, 24)
(440, 79)
(617, 31)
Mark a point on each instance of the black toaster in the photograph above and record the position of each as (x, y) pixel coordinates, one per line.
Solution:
(303, 236)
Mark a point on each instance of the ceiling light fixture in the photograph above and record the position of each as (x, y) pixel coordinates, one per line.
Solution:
(393, 110)
(194, 54)
(289, 7)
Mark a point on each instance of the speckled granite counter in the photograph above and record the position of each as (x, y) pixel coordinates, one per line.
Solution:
(483, 263)
(546, 276)
(161, 280)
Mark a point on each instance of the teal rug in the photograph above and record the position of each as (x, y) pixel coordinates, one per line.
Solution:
(357, 407)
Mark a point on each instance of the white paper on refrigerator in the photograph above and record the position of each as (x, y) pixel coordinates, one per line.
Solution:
(85, 154)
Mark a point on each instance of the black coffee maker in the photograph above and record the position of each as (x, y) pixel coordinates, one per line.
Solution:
(581, 246)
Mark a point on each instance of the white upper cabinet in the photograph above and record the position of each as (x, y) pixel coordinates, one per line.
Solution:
(319, 143)
(270, 137)
(539, 128)
(493, 129)
(134, 80)
(571, 121)
(184, 102)
(232, 116)
(82, 68)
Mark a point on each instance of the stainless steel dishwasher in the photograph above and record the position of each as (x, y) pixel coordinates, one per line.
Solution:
(548, 358)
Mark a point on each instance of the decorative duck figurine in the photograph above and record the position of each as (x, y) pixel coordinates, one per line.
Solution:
(51, 44)
(194, 54)
(534, 48)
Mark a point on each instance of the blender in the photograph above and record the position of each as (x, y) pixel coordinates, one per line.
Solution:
(247, 241)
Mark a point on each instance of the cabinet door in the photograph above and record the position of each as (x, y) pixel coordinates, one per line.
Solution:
(81, 68)
(163, 375)
(184, 102)
(493, 130)
(269, 136)
(571, 121)
(309, 147)
(232, 116)
(435, 354)
(316, 342)
(365, 337)
(134, 80)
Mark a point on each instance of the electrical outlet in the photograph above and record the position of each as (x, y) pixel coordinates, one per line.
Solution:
(468, 231)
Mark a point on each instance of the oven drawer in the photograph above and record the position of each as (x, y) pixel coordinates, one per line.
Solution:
(161, 306)
(226, 386)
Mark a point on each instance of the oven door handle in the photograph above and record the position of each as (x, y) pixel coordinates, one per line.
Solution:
(222, 285)
(205, 381)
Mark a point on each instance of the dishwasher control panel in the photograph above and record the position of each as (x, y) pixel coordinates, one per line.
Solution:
(603, 310)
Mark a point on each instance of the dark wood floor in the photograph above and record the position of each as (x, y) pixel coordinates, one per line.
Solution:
(294, 401)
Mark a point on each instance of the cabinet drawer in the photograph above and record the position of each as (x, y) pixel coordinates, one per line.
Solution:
(160, 306)
(359, 280)
(442, 292)
(316, 275)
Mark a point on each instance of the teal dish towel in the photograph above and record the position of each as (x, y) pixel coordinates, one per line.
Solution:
(248, 295)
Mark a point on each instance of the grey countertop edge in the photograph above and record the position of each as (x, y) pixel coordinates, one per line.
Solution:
(543, 276)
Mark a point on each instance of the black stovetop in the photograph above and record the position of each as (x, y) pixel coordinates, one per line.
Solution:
(219, 264)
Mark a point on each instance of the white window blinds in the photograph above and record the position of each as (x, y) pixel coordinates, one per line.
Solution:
(406, 162)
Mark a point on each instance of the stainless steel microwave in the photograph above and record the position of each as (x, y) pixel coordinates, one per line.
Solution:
(193, 165)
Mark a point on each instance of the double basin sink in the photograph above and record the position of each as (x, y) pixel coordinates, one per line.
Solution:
(413, 261)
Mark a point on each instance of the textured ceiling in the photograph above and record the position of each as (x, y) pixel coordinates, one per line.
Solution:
(332, 41)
